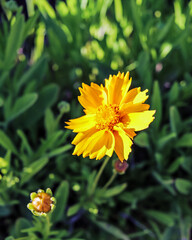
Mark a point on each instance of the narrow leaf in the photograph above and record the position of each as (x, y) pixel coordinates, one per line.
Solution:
(61, 195)
(6, 142)
(21, 105)
(32, 169)
(14, 40)
(183, 186)
(161, 217)
(142, 139)
(175, 120)
(185, 141)
(73, 209)
(157, 104)
(114, 231)
(114, 191)
(118, 10)
(59, 151)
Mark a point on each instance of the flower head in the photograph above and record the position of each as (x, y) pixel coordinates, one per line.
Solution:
(41, 202)
(112, 115)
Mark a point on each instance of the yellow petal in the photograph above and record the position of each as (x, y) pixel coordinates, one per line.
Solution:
(122, 144)
(92, 97)
(130, 132)
(82, 140)
(101, 143)
(141, 97)
(82, 124)
(130, 107)
(140, 120)
(129, 97)
(82, 135)
(117, 87)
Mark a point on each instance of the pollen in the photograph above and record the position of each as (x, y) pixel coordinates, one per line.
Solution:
(107, 117)
(42, 202)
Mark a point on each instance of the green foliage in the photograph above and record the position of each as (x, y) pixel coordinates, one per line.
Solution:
(47, 49)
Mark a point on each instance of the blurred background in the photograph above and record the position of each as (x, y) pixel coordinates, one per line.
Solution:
(47, 49)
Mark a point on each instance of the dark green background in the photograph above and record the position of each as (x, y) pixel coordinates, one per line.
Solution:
(47, 49)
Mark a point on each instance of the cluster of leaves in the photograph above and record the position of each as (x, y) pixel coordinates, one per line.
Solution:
(46, 52)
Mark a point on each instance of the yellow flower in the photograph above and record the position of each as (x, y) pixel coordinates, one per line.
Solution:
(112, 115)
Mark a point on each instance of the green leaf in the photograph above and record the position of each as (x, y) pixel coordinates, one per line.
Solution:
(21, 224)
(3, 77)
(185, 227)
(172, 233)
(166, 140)
(59, 151)
(161, 217)
(50, 122)
(49, 143)
(36, 71)
(6, 142)
(30, 24)
(32, 169)
(118, 10)
(175, 120)
(90, 180)
(10, 238)
(21, 105)
(14, 41)
(61, 196)
(73, 209)
(164, 31)
(136, 16)
(164, 183)
(175, 165)
(114, 231)
(25, 143)
(47, 97)
(185, 141)
(105, 5)
(144, 69)
(114, 191)
(156, 104)
(155, 228)
(142, 140)
(183, 186)
(187, 164)
(174, 93)
(140, 234)
(165, 49)
(45, 8)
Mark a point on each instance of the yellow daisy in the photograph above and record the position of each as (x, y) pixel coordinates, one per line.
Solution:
(112, 115)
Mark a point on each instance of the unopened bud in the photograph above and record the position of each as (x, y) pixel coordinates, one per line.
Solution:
(121, 167)
(64, 107)
(41, 202)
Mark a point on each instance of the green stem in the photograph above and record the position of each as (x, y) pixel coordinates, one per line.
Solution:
(112, 178)
(99, 175)
(47, 227)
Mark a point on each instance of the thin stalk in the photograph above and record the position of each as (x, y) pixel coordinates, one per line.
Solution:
(112, 178)
(99, 175)
(47, 227)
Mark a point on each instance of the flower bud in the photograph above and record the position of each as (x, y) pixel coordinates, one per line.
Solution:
(41, 202)
(64, 107)
(121, 167)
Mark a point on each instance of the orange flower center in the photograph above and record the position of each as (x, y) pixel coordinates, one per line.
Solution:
(42, 202)
(107, 117)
